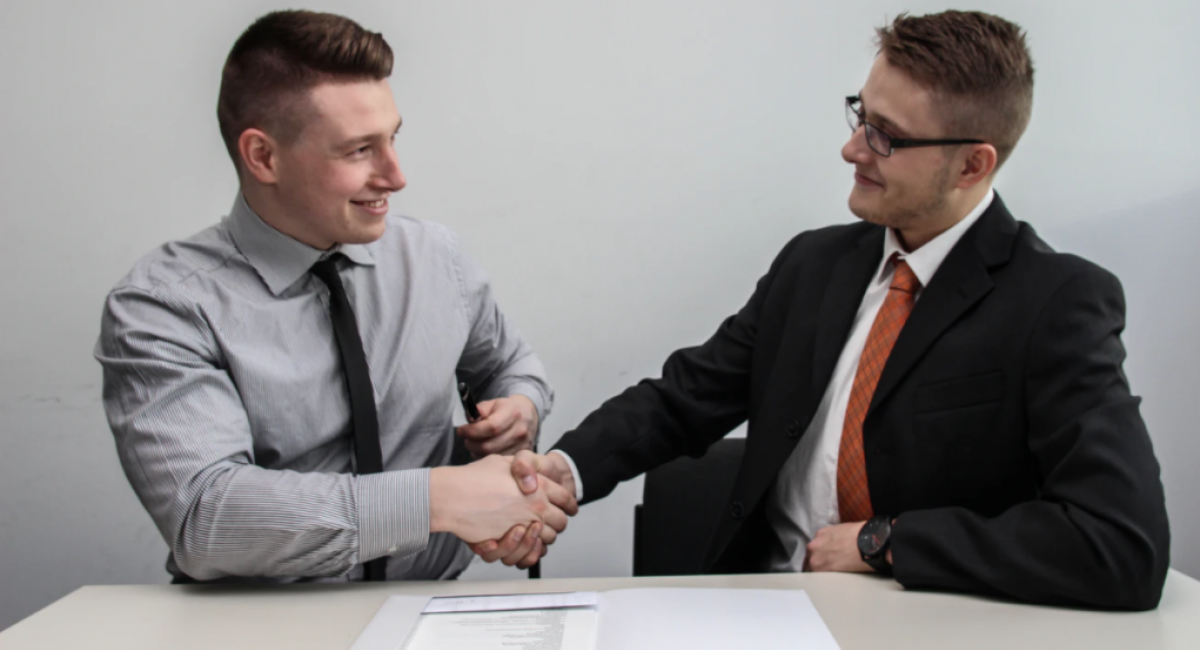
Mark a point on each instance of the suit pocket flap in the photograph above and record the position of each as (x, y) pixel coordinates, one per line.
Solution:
(960, 392)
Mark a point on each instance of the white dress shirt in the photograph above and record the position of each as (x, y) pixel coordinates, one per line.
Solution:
(804, 498)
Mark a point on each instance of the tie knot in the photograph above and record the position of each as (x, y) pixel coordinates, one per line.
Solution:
(903, 279)
(327, 270)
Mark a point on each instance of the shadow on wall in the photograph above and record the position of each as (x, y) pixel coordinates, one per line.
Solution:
(1153, 249)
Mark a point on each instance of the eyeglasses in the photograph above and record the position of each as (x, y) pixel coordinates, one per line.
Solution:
(882, 143)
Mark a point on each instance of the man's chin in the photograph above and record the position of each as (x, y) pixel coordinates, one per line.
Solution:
(365, 234)
(860, 209)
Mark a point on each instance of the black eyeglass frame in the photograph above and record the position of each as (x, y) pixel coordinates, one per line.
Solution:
(893, 142)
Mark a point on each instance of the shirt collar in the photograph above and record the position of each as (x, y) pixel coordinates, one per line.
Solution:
(925, 261)
(278, 259)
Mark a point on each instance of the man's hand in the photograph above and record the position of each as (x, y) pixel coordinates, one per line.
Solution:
(480, 501)
(526, 467)
(515, 548)
(505, 426)
(835, 548)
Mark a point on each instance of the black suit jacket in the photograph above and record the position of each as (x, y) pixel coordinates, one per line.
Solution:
(1002, 433)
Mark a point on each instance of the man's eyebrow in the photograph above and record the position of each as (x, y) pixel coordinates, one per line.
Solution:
(366, 139)
(881, 121)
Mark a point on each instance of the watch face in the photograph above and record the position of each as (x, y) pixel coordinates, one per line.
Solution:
(873, 536)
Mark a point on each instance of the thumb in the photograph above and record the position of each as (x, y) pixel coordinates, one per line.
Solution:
(486, 408)
(524, 470)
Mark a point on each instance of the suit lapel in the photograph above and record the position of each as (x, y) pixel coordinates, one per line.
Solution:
(785, 400)
(770, 445)
(843, 297)
(962, 280)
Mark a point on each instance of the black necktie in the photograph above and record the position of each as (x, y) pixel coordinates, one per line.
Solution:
(367, 454)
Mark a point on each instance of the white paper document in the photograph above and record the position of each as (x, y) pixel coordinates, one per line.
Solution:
(525, 629)
(624, 619)
(704, 619)
(502, 603)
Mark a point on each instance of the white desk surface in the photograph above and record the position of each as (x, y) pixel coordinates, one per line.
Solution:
(862, 611)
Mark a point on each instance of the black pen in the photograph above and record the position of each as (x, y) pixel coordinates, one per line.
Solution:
(468, 401)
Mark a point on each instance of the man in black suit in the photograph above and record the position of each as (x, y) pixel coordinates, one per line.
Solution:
(932, 393)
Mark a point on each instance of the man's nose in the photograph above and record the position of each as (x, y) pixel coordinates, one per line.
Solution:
(856, 149)
(389, 174)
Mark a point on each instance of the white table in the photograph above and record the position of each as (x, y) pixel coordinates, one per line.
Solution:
(862, 611)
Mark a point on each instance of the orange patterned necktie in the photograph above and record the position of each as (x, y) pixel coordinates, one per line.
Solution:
(854, 497)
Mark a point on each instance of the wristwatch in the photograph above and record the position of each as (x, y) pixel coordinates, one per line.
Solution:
(873, 542)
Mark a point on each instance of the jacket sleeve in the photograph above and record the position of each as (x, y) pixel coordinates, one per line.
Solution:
(1097, 536)
(704, 392)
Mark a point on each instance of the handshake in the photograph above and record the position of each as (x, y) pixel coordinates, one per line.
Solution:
(508, 508)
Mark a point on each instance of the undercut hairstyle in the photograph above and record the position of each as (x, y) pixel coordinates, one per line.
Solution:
(282, 56)
(977, 66)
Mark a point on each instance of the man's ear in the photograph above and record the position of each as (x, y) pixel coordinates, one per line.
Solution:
(977, 166)
(260, 155)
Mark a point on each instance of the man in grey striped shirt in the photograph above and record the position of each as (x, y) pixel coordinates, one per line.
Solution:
(223, 382)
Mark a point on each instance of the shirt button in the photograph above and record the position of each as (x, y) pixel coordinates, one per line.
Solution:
(793, 429)
(738, 510)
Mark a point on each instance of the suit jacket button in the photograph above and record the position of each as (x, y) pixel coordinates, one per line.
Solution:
(793, 429)
(738, 510)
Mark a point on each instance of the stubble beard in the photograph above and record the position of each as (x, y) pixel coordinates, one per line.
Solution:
(906, 214)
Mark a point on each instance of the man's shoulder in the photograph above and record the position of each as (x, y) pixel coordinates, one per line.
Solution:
(425, 249)
(822, 243)
(174, 265)
(405, 233)
(837, 237)
(1037, 259)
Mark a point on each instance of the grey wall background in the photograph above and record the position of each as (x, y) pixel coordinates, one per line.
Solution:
(625, 170)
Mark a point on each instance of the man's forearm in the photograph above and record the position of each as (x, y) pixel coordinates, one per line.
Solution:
(1039, 552)
(250, 521)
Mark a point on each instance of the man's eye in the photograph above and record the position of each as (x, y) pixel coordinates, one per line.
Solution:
(361, 150)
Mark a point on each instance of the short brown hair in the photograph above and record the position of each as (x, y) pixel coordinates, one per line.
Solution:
(977, 65)
(282, 56)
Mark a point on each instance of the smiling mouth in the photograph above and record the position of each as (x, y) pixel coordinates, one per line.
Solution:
(866, 181)
(372, 204)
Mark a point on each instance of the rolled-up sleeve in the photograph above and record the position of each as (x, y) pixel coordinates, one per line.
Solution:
(185, 442)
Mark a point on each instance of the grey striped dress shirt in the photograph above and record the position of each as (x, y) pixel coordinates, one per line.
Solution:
(224, 389)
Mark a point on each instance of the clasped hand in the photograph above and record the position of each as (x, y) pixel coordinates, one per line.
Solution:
(482, 501)
(531, 472)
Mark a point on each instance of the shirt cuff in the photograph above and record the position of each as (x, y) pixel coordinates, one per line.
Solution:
(574, 473)
(393, 513)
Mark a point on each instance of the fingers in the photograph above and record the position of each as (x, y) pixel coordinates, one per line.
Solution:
(493, 421)
(548, 536)
(519, 547)
(505, 426)
(483, 548)
(528, 544)
(491, 550)
(556, 522)
(507, 442)
(536, 554)
(482, 429)
(557, 494)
